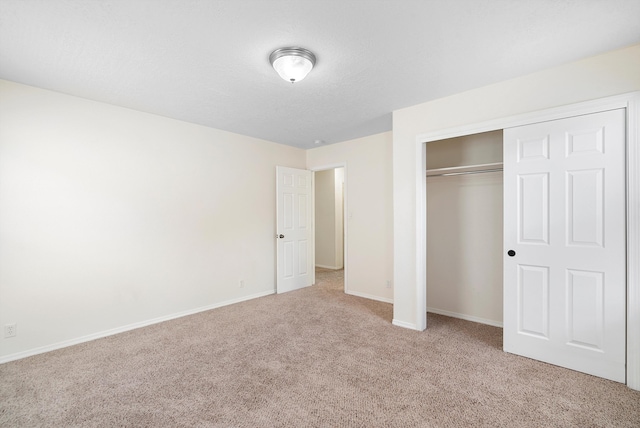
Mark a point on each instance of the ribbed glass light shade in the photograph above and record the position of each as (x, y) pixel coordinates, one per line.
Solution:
(292, 64)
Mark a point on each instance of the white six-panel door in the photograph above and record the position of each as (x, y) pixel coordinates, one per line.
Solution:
(294, 229)
(564, 232)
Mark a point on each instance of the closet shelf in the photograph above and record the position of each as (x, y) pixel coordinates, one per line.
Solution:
(467, 169)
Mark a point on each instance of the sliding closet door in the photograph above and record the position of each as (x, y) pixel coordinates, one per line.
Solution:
(564, 231)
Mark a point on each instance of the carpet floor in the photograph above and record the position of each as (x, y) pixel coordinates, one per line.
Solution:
(309, 358)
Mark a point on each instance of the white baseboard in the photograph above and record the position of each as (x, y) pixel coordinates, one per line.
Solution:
(328, 267)
(111, 332)
(465, 317)
(404, 324)
(369, 296)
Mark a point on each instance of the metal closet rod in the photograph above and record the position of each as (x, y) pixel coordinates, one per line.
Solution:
(481, 171)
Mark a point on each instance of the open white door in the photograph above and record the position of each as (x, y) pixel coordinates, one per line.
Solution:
(294, 233)
(564, 232)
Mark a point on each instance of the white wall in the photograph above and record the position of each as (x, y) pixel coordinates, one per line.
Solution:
(368, 199)
(111, 218)
(464, 226)
(596, 77)
(464, 247)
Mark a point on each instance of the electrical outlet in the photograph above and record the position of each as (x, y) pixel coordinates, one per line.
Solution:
(10, 330)
(241, 283)
(388, 283)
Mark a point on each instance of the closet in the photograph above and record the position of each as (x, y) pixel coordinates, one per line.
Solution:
(554, 226)
(465, 227)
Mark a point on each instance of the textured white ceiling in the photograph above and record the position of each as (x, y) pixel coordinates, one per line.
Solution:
(206, 61)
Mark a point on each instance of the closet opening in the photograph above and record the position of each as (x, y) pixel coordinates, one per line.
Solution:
(464, 211)
(531, 220)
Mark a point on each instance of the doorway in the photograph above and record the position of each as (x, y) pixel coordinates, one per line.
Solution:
(329, 224)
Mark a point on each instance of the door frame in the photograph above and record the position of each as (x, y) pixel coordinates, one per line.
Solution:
(344, 216)
(631, 103)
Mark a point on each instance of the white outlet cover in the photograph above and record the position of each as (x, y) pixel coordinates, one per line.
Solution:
(10, 330)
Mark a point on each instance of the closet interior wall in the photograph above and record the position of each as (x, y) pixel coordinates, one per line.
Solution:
(465, 229)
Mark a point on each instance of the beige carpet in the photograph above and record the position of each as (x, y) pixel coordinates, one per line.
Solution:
(310, 358)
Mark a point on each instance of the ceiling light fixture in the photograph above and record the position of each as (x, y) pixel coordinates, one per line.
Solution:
(292, 64)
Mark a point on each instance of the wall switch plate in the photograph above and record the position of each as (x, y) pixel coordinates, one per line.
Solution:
(388, 284)
(10, 330)
(241, 283)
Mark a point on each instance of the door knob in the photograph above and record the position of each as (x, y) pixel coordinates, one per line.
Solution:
(280, 236)
(511, 253)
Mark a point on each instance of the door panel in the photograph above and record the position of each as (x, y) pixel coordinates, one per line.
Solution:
(294, 258)
(533, 208)
(585, 207)
(533, 149)
(564, 217)
(533, 300)
(585, 302)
